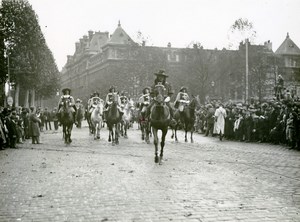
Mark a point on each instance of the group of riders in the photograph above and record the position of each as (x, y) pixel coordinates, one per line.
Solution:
(144, 105)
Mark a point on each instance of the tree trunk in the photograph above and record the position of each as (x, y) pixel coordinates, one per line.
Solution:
(32, 100)
(26, 100)
(17, 92)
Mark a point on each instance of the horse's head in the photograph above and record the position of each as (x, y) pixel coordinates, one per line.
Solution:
(65, 104)
(159, 92)
(195, 103)
(100, 107)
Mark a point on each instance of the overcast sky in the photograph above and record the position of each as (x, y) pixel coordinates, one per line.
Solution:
(180, 22)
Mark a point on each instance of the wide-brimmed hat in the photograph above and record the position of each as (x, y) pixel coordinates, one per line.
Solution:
(161, 73)
(183, 88)
(144, 90)
(66, 89)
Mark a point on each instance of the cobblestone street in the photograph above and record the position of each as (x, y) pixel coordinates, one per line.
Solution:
(89, 180)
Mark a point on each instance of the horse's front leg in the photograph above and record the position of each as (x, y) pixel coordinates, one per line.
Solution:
(162, 144)
(109, 133)
(117, 133)
(192, 132)
(176, 139)
(155, 141)
(186, 130)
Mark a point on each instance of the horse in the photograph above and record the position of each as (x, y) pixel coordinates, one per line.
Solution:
(79, 115)
(159, 120)
(67, 120)
(126, 119)
(96, 118)
(187, 116)
(113, 118)
(144, 125)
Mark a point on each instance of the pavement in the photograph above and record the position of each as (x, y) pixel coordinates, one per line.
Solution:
(91, 180)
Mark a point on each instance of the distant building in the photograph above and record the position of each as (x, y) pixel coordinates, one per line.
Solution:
(101, 60)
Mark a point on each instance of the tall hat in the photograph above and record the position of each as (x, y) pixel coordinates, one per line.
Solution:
(161, 73)
(66, 89)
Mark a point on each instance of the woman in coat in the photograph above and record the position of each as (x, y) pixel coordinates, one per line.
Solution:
(34, 127)
(220, 116)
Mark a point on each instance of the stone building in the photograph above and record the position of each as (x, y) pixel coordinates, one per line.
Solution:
(101, 60)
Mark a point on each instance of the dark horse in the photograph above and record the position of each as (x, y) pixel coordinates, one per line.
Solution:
(67, 120)
(144, 125)
(159, 120)
(113, 118)
(186, 117)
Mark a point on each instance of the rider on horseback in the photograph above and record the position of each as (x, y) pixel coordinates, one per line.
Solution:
(66, 96)
(109, 100)
(161, 80)
(144, 100)
(182, 99)
(123, 99)
(93, 101)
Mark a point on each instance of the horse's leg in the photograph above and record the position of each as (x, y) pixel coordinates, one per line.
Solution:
(125, 131)
(155, 141)
(176, 139)
(98, 129)
(192, 131)
(162, 144)
(70, 131)
(172, 135)
(95, 126)
(117, 133)
(147, 132)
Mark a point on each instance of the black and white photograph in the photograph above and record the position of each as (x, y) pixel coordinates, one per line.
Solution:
(150, 110)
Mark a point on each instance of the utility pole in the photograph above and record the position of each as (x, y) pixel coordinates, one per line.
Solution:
(247, 73)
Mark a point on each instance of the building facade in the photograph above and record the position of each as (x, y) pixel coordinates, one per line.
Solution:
(101, 60)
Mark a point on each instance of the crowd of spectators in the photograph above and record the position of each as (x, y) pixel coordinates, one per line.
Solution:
(19, 124)
(276, 121)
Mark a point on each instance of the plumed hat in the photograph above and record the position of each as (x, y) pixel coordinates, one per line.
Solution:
(65, 90)
(161, 73)
(183, 88)
(144, 90)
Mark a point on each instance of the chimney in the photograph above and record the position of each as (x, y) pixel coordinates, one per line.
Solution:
(69, 58)
(77, 46)
(169, 45)
(268, 45)
(91, 33)
(143, 43)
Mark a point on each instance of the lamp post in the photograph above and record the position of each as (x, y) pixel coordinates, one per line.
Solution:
(247, 74)
(213, 89)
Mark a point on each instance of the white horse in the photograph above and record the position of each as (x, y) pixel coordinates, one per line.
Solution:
(97, 118)
(126, 119)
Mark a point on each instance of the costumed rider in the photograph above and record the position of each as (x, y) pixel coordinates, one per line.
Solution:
(93, 101)
(160, 79)
(67, 96)
(144, 101)
(123, 99)
(182, 99)
(109, 100)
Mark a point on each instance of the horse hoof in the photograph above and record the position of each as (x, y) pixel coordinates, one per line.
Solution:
(98, 137)
(95, 138)
(156, 159)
